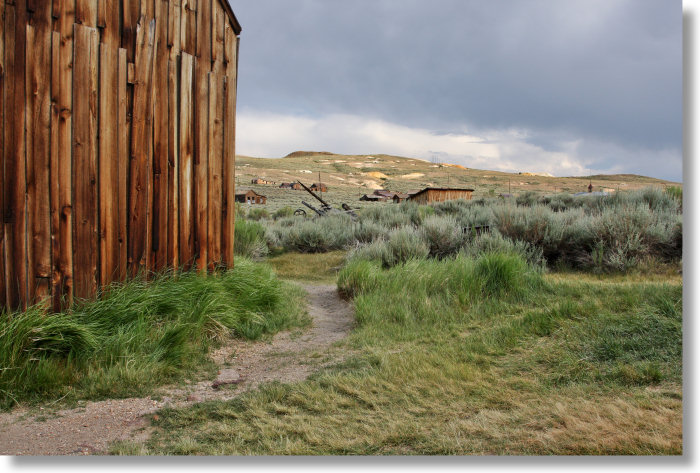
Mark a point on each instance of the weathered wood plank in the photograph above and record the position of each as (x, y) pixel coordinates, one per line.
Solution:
(130, 17)
(3, 283)
(215, 168)
(63, 264)
(14, 152)
(148, 10)
(85, 77)
(173, 166)
(186, 170)
(110, 34)
(188, 27)
(86, 12)
(201, 136)
(174, 35)
(108, 164)
(124, 126)
(229, 177)
(204, 20)
(102, 16)
(159, 235)
(219, 20)
(38, 126)
(54, 190)
(141, 150)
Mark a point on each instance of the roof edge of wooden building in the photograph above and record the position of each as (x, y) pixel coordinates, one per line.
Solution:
(441, 189)
(232, 16)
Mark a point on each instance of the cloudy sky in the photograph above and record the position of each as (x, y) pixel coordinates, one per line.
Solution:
(561, 86)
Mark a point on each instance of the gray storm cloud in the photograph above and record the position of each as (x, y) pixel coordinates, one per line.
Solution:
(599, 82)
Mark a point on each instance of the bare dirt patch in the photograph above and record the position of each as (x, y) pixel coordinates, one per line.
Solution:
(93, 426)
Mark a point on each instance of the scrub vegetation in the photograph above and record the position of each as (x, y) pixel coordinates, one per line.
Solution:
(616, 233)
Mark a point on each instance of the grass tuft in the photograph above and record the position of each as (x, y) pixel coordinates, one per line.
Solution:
(139, 335)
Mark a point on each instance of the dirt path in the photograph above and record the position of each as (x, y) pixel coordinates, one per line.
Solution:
(92, 427)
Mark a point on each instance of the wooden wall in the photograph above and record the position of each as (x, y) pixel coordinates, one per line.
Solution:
(441, 195)
(117, 142)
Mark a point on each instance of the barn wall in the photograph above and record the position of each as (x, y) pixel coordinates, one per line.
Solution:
(434, 195)
(117, 142)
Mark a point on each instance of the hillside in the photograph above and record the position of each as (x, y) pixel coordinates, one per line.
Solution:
(349, 177)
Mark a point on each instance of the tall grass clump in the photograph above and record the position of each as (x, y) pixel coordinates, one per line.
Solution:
(250, 239)
(434, 291)
(139, 335)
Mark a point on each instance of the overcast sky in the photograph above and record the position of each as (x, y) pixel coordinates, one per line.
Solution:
(558, 86)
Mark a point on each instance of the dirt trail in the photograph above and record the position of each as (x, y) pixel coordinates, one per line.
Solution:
(92, 427)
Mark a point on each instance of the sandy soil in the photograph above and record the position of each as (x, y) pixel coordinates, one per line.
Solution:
(93, 426)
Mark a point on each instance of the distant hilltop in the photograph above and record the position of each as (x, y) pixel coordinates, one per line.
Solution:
(303, 154)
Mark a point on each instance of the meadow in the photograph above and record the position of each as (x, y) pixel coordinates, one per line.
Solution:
(556, 332)
(534, 339)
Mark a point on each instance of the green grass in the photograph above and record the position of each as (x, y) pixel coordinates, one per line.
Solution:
(139, 335)
(322, 267)
(468, 356)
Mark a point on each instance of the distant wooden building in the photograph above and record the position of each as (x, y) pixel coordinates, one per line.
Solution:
(399, 197)
(250, 197)
(373, 198)
(385, 193)
(291, 185)
(260, 181)
(319, 187)
(435, 194)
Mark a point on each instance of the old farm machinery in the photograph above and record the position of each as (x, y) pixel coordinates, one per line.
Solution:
(325, 208)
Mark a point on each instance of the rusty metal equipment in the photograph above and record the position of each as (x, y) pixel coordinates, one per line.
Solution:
(325, 209)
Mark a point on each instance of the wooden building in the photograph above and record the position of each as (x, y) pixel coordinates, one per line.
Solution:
(434, 194)
(373, 198)
(117, 139)
(250, 197)
(399, 197)
(291, 185)
(261, 181)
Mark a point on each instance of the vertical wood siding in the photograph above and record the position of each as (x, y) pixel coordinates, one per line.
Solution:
(117, 143)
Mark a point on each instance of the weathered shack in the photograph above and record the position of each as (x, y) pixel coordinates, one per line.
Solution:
(319, 187)
(291, 185)
(435, 194)
(399, 197)
(250, 197)
(117, 139)
(261, 181)
(373, 198)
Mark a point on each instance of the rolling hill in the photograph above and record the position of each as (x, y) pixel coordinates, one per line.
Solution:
(349, 177)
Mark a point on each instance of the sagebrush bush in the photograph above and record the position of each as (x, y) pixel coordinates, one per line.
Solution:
(402, 245)
(443, 236)
(250, 239)
(258, 214)
(604, 233)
